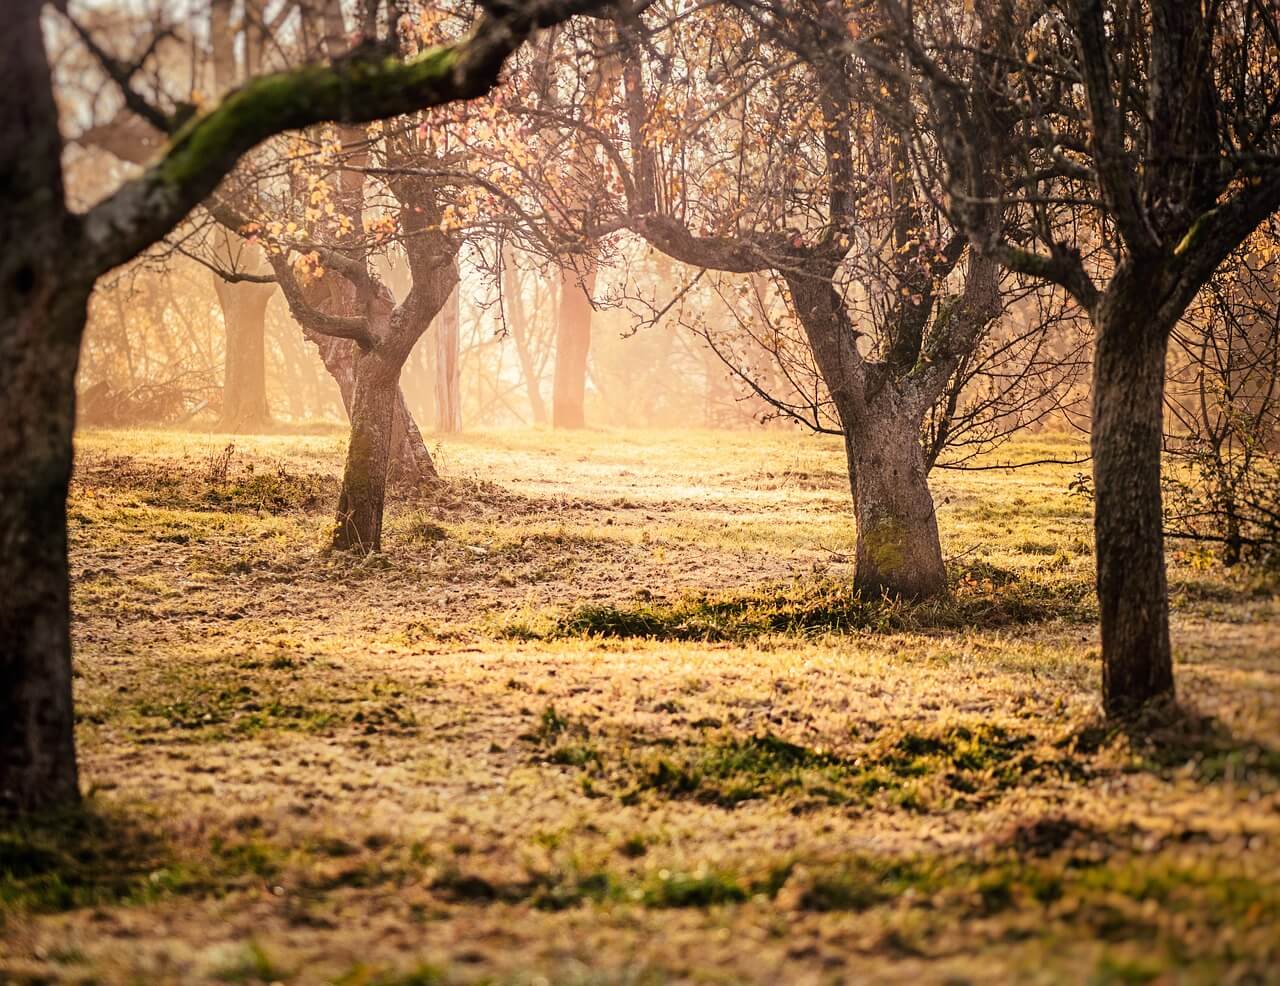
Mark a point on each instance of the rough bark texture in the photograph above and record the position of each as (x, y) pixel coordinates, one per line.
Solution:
(573, 345)
(898, 550)
(410, 460)
(244, 388)
(1128, 395)
(42, 311)
(364, 480)
(37, 416)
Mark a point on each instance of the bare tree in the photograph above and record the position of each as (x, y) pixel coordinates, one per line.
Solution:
(53, 258)
(711, 168)
(1121, 149)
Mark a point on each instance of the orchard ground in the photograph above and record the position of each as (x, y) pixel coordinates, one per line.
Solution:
(604, 712)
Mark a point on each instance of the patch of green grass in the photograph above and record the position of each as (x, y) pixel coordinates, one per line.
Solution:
(210, 700)
(574, 755)
(968, 762)
(551, 724)
(700, 888)
(240, 707)
(1113, 970)
(982, 597)
(854, 884)
(423, 974)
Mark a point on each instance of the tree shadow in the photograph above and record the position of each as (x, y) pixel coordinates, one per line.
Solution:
(1170, 736)
(83, 856)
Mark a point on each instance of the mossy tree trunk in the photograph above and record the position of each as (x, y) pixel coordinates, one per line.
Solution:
(898, 550)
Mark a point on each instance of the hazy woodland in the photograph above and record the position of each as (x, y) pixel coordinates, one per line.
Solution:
(637, 493)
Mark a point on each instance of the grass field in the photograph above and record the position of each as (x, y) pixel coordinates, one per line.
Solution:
(606, 713)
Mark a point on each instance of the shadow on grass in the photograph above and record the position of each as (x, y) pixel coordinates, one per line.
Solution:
(1169, 737)
(983, 597)
(85, 856)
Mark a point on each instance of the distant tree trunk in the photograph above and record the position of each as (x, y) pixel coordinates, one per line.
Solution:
(448, 367)
(244, 389)
(573, 346)
(898, 550)
(364, 481)
(1128, 410)
(518, 319)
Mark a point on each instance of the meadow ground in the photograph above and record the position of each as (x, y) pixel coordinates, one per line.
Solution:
(605, 712)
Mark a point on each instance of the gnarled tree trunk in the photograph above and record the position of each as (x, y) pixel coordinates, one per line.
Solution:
(410, 461)
(898, 551)
(1128, 406)
(364, 482)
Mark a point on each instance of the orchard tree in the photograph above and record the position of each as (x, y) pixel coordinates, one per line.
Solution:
(242, 42)
(1121, 149)
(747, 144)
(51, 261)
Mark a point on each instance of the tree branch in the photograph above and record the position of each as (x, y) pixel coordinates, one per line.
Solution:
(356, 89)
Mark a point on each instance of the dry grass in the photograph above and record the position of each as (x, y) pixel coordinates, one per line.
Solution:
(604, 713)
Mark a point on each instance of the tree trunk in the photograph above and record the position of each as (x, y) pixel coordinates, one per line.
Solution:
(364, 481)
(1128, 405)
(410, 461)
(244, 390)
(448, 367)
(38, 356)
(517, 319)
(898, 551)
(573, 344)
(43, 306)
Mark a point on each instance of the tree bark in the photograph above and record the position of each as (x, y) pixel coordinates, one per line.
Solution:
(43, 306)
(411, 461)
(898, 551)
(244, 389)
(1128, 404)
(38, 358)
(364, 481)
(573, 345)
